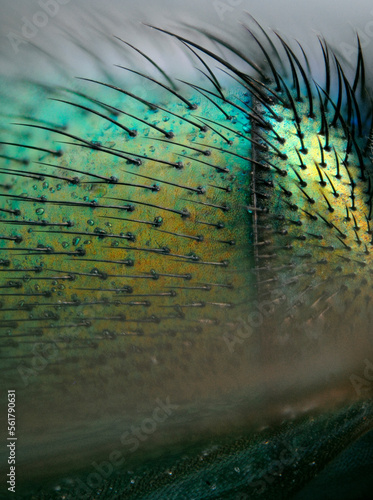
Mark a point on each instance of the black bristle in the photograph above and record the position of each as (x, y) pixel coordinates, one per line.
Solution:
(169, 80)
(176, 94)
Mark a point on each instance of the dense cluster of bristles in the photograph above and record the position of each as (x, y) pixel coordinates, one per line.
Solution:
(313, 196)
(166, 217)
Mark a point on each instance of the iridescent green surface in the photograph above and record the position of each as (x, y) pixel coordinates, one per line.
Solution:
(320, 207)
(188, 268)
(137, 293)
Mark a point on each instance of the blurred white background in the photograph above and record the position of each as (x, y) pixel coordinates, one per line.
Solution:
(43, 23)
